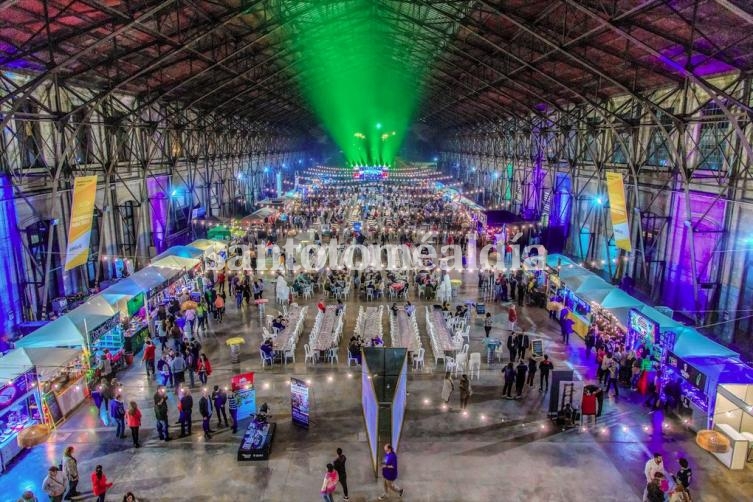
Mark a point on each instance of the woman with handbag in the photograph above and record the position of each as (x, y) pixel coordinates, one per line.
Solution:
(204, 368)
(70, 472)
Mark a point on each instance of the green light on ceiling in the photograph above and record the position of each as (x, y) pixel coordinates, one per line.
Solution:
(362, 69)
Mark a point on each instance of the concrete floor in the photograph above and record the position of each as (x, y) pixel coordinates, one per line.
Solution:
(499, 450)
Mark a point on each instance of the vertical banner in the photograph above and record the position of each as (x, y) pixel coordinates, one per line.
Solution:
(82, 214)
(299, 402)
(618, 211)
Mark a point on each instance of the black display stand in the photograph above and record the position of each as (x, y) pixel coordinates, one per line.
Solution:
(257, 441)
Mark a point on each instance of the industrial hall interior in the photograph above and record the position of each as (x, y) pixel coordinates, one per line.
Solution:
(361, 250)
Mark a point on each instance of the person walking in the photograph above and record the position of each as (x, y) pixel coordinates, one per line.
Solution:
(186, 407)
(178, 368)
(70, 472)
(389, 472)
(512, 317)
(160, 414)
(531, 370)
(545, 366)
(232, 406)
(654, 465)
(488, 324)
(148, 358)
(524, 341)
(219, 308)
(685, 475)
(203, 368)
(329, 484)
(613, 371)
(205, 409)
(520, 379)
(134, 422)
(465, 391)
(447, 387)
(190, 360)
(100, 484)
(117, 413)
(339, 464)
(219, 398)
(509, 375)
(512, 347)
(54, 484)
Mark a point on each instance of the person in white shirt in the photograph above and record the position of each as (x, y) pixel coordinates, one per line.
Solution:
(653, 466)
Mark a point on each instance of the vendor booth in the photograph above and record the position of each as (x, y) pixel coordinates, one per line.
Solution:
(733, 418)
(20, 408)
(60, 375)
(220, 232)
(699, 364)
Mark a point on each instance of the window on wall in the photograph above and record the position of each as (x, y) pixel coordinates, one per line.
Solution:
(658, 149)
(91, 265)
(37, 237)
(712, 139)
(123, 142)
(618, 154)
(29, 137)
(180, 212)
(128, 214)
(83, 137)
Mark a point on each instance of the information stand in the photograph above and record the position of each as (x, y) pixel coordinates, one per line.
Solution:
(257, 441)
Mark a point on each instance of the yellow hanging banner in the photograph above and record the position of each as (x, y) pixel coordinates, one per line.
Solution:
(82, 214)
(618, 211)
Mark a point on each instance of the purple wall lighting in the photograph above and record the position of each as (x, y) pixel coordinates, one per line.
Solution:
(10, 251)
(707, 219)
(157, 187)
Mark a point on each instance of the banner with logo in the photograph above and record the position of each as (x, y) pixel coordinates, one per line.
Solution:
(618, 211)
(82, 215)
(299, 402)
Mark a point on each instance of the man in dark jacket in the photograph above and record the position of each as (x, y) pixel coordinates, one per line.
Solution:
(160, 413)
(205, 408)
(186, 407)
(520, 379)
(512, 346)
(219, 398)
(545, 366)
(509, 374)
(339, 464)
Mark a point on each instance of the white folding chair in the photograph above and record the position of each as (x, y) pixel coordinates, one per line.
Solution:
(310, 355)
(418, 360)
(265, 359)
(474, 365)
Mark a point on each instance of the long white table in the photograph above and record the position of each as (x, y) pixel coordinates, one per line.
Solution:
(325, 338)
(442, 332)
(284, 339)
(371, 324)
(406, 336)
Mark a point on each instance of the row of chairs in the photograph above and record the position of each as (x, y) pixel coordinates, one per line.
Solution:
(367, 328)
(288, 352)
(418, 359)
(332, 352)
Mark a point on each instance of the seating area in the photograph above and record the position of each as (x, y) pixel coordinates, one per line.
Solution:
(325, 335)
(285, 341)
(404, 331)
(441, 334)
(369, 323)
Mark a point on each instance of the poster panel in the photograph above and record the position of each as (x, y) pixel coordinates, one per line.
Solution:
(618, 211)
(82, 215)
(299, 402)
